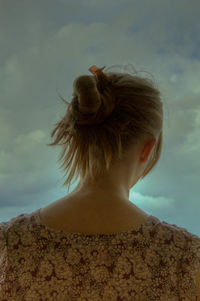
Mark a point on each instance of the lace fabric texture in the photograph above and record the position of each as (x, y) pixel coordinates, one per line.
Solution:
(156, 261)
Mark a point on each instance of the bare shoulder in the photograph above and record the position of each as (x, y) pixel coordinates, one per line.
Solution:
(73, 214)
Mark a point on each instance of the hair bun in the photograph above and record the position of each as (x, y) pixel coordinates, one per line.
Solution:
(88, 95)
(93, 100)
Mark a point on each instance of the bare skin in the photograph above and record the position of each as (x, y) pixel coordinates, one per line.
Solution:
(103, 206)
(67, 215)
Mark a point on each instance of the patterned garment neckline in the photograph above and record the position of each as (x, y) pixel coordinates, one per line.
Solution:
(149, 221)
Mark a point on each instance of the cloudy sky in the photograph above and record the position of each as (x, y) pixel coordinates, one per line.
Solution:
(46, 44)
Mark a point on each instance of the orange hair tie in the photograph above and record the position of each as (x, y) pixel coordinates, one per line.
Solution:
(95, 70)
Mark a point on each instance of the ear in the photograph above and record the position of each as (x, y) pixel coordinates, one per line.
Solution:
(147, 149)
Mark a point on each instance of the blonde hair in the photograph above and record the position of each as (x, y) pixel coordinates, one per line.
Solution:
(107, 114)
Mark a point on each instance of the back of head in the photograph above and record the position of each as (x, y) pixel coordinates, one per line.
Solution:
(109, 112)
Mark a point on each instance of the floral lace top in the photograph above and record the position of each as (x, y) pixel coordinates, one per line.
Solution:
(156, 261)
